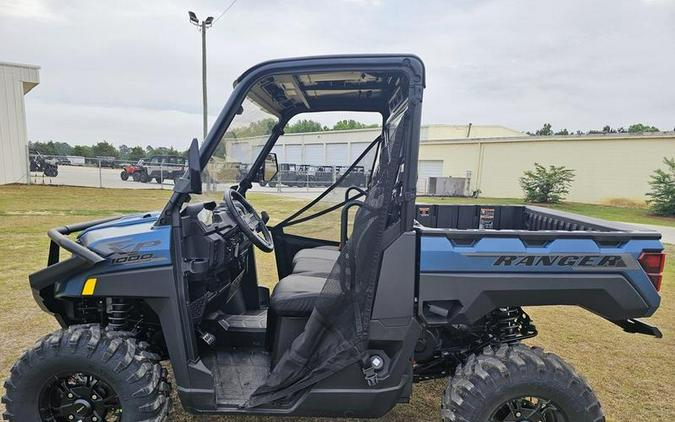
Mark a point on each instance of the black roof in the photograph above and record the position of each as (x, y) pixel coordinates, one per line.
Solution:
(325, 83)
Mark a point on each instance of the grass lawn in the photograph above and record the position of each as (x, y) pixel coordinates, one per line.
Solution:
(633, 375)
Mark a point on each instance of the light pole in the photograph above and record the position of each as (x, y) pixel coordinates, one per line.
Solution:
(206, 23)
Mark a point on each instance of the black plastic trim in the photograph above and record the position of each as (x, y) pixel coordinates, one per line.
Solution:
(59, 235)
(611, 296)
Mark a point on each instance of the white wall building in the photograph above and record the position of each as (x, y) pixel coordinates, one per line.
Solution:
(15, 82)
(343, 147)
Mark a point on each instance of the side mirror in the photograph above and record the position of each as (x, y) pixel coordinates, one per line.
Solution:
(270, 168)
(191, 181)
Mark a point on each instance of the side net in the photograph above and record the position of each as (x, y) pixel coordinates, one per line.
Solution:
(336, 334)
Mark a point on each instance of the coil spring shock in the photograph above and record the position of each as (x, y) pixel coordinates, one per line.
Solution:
(118, 314)
(512, 324)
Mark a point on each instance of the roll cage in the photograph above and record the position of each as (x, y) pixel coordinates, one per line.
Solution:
(288, 87)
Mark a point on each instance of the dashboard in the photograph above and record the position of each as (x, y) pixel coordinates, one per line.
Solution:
(215, 250)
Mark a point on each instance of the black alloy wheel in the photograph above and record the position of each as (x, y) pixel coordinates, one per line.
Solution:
(528, 409)
(79, 397)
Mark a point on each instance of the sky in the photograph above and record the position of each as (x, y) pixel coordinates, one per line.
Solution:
(130, 72)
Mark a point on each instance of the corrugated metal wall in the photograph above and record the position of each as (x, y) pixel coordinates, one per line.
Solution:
(607, 167)
(613, 166)
(15, 81)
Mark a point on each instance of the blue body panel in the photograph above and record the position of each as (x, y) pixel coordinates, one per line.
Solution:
(438, 254)
(128, 243)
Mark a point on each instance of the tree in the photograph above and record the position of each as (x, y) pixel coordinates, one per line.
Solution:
(304, 125)
(562, 132)
(662, 195)
(136, 153)
(546, 185)
(83, 151)
(105, 149)
(640, 128)
(545, 130)
(351, 124)
(124, 151)
(257, 128)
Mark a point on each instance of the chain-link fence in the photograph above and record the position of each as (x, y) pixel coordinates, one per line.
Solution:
(161, 173)
(105, 172)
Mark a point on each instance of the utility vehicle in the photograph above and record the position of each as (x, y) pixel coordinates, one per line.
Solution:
(132, 170)
(374, 294)
(287, 175)
(160, 168)
(39, 163)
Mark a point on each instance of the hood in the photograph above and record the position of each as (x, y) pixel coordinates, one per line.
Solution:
(130, 240)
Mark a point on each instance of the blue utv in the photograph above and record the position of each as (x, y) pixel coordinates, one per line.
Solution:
(387, 294)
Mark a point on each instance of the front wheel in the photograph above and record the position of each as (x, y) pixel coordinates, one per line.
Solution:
(518, 383)
(85, 373)
(124, 175)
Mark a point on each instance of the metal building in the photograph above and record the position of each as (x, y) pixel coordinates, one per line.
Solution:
(608, 167)
(344, 146)
(16, 80)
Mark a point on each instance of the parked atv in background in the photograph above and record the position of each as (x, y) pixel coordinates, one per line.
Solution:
(131, 170)
(287, 176)
(326, 176)
(160, 168)
(39, 163)
(363, 309)
(356, 177)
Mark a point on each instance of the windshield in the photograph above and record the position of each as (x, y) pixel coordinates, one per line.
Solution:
(239, 147)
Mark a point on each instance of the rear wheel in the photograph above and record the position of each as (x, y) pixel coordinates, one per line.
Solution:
(136, 176)
(518, 383)
(143, 178)
(51, 171)
(87, 374)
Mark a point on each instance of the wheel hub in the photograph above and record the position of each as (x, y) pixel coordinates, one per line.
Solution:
(80, 398)
(82, 408)
(528, 409)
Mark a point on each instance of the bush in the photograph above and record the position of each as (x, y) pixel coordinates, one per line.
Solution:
(663, 189)
(546, 185)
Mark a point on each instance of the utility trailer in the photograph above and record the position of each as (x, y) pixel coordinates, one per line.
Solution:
(364, 306)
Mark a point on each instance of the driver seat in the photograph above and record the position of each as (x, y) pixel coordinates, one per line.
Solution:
(315, 261)
(295, 294)
(291, 304)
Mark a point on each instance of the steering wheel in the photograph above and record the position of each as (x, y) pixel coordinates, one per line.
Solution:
(248, 220)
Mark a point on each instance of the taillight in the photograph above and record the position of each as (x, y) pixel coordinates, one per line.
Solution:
(653, 263)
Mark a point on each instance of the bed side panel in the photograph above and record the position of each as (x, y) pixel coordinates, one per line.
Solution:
(471, 277)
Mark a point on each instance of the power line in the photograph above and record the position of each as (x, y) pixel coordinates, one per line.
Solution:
(225, 11)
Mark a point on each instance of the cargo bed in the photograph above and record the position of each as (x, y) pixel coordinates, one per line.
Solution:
(475, 258)
(521, 221)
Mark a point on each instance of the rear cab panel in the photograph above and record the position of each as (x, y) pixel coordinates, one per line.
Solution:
(474, 259)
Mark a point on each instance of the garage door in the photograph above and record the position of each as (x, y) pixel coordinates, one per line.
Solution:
(337, 154)
(293, 154)
(279, 151)
(256, 152)
(238, 152)
(358, 148)
(425, 170)
(314, 154)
